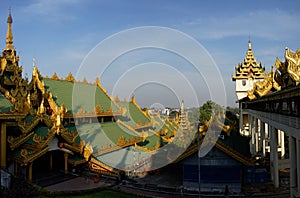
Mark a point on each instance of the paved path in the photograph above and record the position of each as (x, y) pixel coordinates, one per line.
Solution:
(78, 183)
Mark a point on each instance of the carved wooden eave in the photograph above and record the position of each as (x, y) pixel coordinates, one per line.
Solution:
(99, 167)
(76, 162)
(26, 157)
(75, 147)
(40, 142)
(11, 115)
(15, 142)
(69, 136)
(25, 127)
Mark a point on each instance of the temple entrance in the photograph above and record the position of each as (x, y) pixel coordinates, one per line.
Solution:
(49, 169)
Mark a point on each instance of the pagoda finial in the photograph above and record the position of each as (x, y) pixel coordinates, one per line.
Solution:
(249, 43)
(9, 35)
(182, 106)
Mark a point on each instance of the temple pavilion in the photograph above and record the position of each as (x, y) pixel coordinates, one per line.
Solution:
(41, 130)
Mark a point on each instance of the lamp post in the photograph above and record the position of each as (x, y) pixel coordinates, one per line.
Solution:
(198, 142)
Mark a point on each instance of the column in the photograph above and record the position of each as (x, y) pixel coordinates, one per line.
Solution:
(66, 162)
(51, 161)
(274, 154)
(293, 165)
(256, 129)
(241, 119)
(3, 145)
(30, 172)
(16, 168)
(298, 164)
(262, 139)
(282, 144)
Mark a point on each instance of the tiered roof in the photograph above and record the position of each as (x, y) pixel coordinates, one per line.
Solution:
(47, 110)
(249, 68)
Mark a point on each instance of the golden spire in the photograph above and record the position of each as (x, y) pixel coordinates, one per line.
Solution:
(9, 36)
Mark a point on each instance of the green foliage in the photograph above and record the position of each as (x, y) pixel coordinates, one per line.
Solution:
(206, 110)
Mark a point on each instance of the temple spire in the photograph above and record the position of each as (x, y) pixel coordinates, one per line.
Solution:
(249, 44)
(9, 35)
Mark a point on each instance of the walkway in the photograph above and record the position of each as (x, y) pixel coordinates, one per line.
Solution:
(78, 183)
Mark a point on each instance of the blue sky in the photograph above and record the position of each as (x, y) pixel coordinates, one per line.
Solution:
(60, 33)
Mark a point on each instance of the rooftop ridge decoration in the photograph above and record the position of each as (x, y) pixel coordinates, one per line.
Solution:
(54, 76)
(70, 78)
(290, 69)
(133, 101)
(98, 83)
(249, 68)
(262, 88)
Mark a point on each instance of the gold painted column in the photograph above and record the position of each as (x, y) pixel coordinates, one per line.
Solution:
(66, 162)
(3, 145)
(30, 172)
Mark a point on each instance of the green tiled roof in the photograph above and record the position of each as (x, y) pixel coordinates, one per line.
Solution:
(41, 131)
(87, 95)
(151, 141)
(5, 104)
(101, 134)
(134, 115)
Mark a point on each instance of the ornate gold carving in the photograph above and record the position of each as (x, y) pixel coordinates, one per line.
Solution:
(54, 76)
(97, 166)
(293, 67)
(17, 141)
(262, 88)
(70, 78)
(3, 64)
(98, 82)
(87, 151)
(249, 68)
(121, 141)
(30, 155)
(98, 110)
(70, 137)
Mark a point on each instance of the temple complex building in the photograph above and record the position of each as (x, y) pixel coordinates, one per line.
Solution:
(44, 128)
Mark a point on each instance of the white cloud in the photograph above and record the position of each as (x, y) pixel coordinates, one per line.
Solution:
(272, 24)
(52, 10)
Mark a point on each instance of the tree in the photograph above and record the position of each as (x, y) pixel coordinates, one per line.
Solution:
(206, 110)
